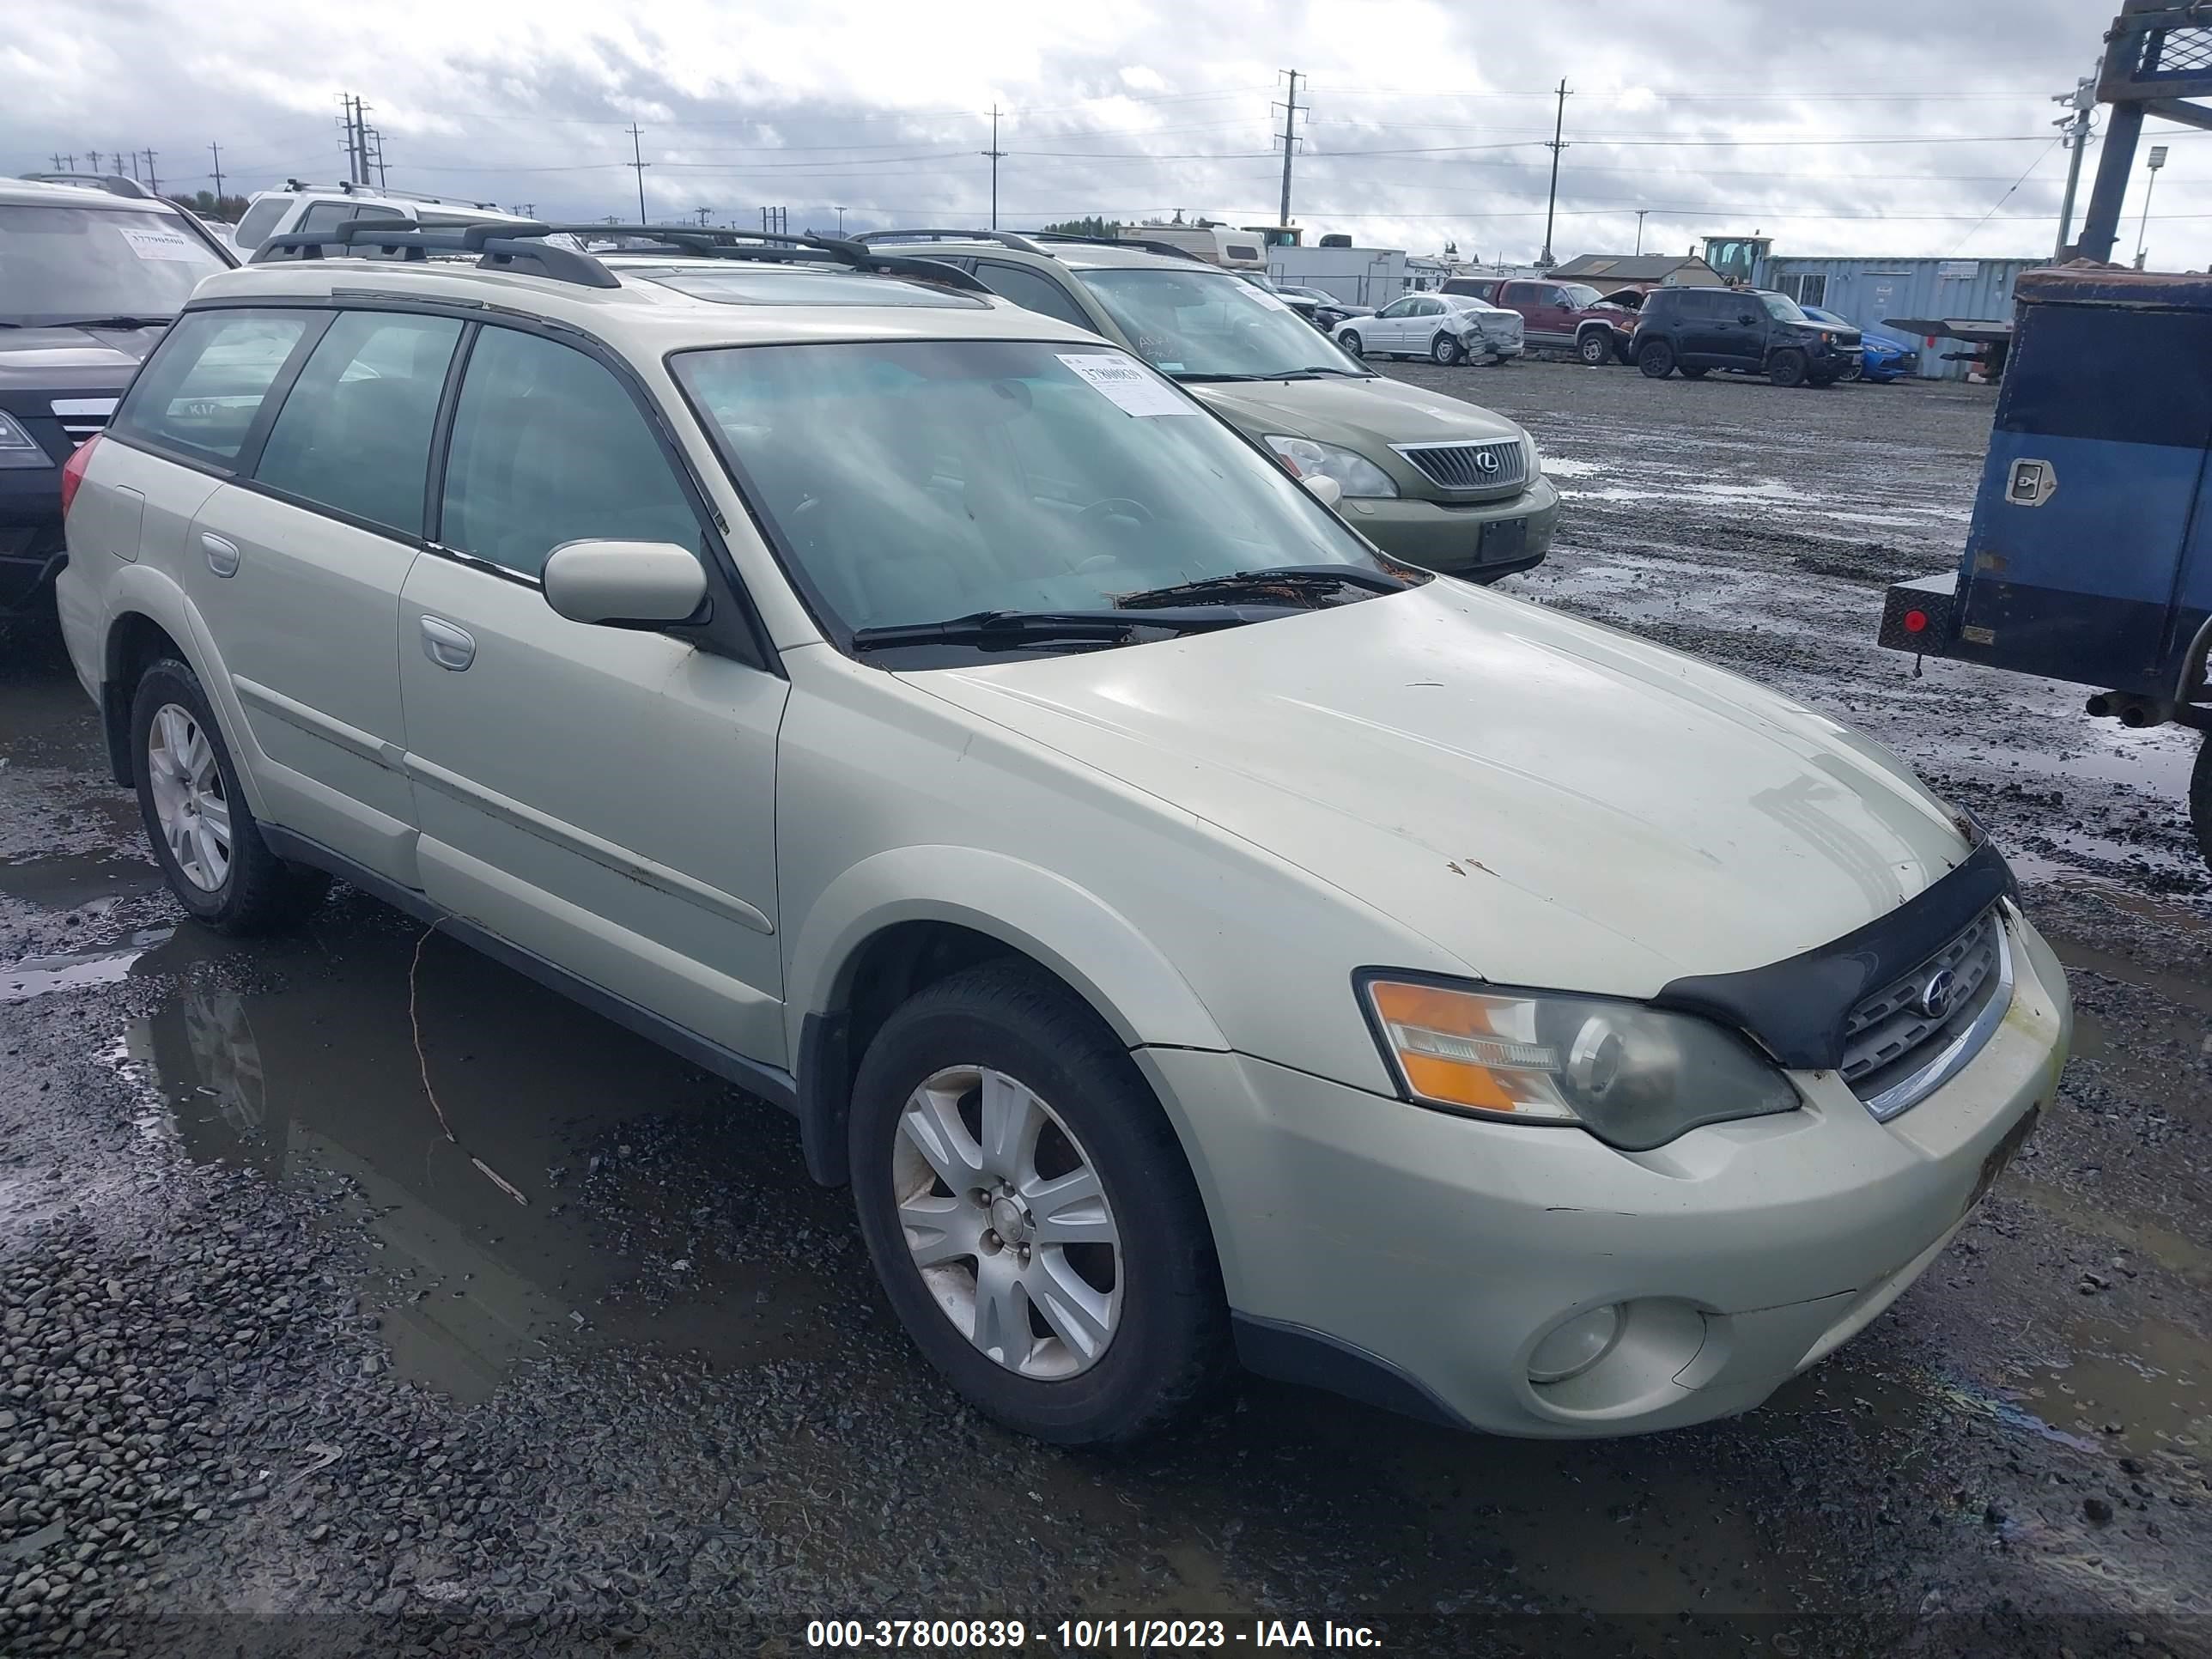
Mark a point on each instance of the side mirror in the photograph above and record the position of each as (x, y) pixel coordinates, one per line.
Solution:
(1327, 491)
(647, 584)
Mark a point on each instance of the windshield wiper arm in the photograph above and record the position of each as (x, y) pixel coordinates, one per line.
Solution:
(112, 322)
(1304, 581)
(1016, 627)
(1189, 374)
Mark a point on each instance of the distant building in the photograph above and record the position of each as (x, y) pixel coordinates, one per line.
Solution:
(1364, 276)
(1864, 292)
(1645, 271)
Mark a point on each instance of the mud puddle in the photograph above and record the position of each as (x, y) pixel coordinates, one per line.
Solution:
(515, 1212)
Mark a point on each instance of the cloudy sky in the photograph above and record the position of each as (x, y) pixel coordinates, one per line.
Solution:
(1878, 126)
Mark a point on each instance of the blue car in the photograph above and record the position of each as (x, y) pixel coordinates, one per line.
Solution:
(1885, 360)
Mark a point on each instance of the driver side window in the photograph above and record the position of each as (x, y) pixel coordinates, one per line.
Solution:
(1397, 309)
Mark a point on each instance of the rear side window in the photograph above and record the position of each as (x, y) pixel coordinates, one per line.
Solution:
(200, 394)
(354, 435)
(1030, 291)
(548, 447)
(259, 220)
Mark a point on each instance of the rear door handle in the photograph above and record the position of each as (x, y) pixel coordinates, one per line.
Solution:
(447, 646)
(221, 554)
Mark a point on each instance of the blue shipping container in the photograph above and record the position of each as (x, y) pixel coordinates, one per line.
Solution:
(1864, 291)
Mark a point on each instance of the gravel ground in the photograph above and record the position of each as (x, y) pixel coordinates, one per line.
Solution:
(287, 1368)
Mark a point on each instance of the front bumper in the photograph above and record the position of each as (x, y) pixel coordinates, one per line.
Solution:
(1434, 1252)
(1480, 541)
(30, 547)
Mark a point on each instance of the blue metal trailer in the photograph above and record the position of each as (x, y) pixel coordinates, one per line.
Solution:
(2090, 554)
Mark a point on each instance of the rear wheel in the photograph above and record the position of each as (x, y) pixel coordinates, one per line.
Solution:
(2200, 797)
(1351, 342)
(1786, 366)
(1444, 350)
(1656, 359)
(1030, 1213)
(1594, 348)
(203, 834)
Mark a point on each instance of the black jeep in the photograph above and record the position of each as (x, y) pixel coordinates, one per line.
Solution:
(1746, 329)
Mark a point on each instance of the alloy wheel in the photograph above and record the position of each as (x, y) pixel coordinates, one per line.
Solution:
(188, 797)
(1007, 1219)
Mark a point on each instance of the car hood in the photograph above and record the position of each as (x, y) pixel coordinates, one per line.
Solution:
(1552, 804)
(1377, 411)
(72, 359)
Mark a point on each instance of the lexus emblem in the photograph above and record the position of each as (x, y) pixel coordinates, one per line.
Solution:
(1485, 460)
(1937, 993)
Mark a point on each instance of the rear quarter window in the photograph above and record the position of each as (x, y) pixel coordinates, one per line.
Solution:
(201, 392)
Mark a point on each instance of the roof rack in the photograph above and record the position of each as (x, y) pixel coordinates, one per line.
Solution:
(1027, 241)
(521, 246)
(347, 187)
(114, 183)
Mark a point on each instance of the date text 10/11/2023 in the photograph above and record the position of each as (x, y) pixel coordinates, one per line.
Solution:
(1087, 1635)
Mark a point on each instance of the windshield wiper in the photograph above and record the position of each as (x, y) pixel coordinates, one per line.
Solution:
(1019, 628)
(1188, 375)
(1305, 581)
(111, 322)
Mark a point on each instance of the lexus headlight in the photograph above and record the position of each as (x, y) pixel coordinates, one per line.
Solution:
(1634, 1077)
(1355, 473)
(19, 448)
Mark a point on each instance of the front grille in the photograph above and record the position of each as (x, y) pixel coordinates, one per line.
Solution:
(81, 417)
(1470, 466)
(1898, 1048)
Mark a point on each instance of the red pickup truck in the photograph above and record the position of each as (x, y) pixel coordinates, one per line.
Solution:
(1570, 316)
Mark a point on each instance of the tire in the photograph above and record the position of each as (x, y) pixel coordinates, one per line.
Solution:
(2200, 797)
(1351, 342)
(1395, 356)
(184, 768)
(1595, 348)
(1821, 382)
(1444, 351)
(1689, 373)
(1155, 1293)
(1656, 359)
(1788, 367)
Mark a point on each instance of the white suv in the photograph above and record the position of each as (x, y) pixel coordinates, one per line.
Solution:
(1192, 936)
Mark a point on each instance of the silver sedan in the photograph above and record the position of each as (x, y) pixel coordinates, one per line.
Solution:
(1446, 328)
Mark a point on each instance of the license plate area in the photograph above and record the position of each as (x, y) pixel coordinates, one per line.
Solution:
(2003, 1154)
(1506, 538)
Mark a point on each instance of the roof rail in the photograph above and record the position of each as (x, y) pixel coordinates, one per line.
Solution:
(114, 183)
(1020, 244)
(1169, 248)
(504, 246)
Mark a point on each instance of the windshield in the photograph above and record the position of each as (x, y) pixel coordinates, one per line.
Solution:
(916, 481)
(1581, 295)
(1202, 325)
(60, 263)
(1780, 305)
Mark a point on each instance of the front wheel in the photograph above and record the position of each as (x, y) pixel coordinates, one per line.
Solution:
(1689, 373)
(1351, 342)
(2200, 797)
(1030, 1213)
(1444, 351)
(203, 834)
(1656, 359)
(1596, 348)
(1788, 366)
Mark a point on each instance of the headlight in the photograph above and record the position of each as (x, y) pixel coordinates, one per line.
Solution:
(18, 447)
(1354, 473)
(1634, 1077)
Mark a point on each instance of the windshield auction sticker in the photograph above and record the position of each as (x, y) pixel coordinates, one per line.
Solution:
(160, 244)
(1130, 387)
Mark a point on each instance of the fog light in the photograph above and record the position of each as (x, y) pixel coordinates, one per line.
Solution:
(1575, 1345)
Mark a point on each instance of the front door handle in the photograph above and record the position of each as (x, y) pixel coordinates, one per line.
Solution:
(447, 646)
(221, 554)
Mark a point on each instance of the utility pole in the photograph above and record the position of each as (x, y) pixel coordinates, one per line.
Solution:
(1545, 260)
(997, 155)
(2083, 99)
(703, 213)
(56, 159)
(1290, 144)
(638, 162)
(2157, 161)
(841, 221)
(1640, 212)
(153, 179)
(95, 159)
(215, 150)
(372, 155)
